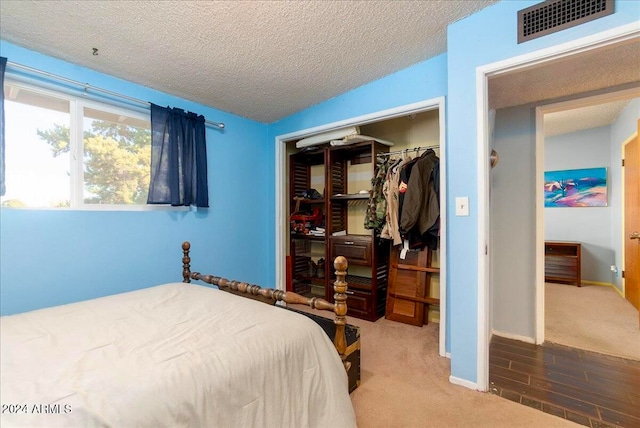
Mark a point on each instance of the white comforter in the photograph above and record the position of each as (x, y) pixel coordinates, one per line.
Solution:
(169, 356)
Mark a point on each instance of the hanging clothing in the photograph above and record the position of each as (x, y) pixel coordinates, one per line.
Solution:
(420, 211)
(3, 66)
(391, 229)
(377, 207)
(403, 182)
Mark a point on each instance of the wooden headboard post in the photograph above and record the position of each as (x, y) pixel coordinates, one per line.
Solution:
(271, 296)
(186, 262)
(340, 308)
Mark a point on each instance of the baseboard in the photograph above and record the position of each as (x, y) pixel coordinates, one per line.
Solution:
(604, 284)
(608, 284)
(463, 382)
(618, 291)
(513, 336)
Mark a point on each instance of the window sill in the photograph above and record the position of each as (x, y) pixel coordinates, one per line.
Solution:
(108, 208)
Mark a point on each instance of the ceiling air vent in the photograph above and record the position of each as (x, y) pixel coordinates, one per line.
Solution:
(555, 15)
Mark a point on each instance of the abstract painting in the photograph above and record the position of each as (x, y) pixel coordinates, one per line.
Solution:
(576, 188)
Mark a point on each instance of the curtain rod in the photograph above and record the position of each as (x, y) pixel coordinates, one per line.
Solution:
(413, 149)
(87, 86)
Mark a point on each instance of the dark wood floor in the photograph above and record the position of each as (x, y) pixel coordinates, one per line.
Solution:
(591, 389)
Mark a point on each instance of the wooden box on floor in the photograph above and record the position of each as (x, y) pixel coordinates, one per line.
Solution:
(562, 262)
(408, 298)
(353, 344)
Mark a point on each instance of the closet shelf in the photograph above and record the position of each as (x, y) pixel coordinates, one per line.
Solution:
(309, 201)
(308, 237)
(416, 268)
(349, 197)
(339, 206)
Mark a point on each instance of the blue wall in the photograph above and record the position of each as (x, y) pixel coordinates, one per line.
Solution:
(483, 38)
(50, 257)
(243, 187)
(420, 82)
(588, 148)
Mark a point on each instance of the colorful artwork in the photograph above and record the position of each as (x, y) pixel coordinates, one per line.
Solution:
(576, 188)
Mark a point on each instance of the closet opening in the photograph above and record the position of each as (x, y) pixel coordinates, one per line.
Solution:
(326, 176)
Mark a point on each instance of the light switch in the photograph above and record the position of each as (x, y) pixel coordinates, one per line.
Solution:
(462, 206)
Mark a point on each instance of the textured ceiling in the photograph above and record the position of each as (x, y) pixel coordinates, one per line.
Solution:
(595, 116)
(591, 71)
(615, 66)
(259, 59)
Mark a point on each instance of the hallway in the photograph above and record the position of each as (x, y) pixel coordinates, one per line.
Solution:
(588, 388)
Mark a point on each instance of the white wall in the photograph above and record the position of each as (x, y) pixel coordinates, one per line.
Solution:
(513, 218)
(621, 129)
(512, 208)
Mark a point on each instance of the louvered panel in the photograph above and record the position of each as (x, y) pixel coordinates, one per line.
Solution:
(300, 178)
(555, 15)
(338, 177)
(338, 217)
(382, 273)
(300, 265)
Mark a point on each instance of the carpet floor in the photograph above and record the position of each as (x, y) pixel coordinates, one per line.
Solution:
(591, 317)
(405, 383)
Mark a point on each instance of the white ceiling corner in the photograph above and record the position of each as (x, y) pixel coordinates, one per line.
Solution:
(577, 119)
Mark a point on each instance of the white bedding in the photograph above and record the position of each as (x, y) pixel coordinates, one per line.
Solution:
(169, 356)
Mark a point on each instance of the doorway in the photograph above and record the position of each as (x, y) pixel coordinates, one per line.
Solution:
(514, 264)
(525, 80)
(368, 122)
(586, 133)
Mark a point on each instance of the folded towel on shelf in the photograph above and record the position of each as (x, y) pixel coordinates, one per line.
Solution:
(325, 137)
(357, 138)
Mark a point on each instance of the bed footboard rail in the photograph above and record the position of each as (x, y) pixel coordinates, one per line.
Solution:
(271, 296)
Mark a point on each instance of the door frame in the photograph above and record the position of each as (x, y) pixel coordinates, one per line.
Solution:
(483, 73)
(624, 214)
(281, 184)
(539, 180)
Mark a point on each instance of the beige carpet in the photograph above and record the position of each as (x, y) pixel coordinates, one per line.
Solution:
(591, 317)
(405, 384)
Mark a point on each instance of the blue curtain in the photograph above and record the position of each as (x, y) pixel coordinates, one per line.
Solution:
(178, 158)
(3, 66)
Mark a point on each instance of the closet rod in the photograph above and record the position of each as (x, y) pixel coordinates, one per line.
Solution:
(413, 149)
(87, 86)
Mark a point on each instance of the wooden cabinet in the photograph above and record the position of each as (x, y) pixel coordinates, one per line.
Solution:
(306, 250)
(356, 248)
(340, 204)
(368, 258)
(562, 262)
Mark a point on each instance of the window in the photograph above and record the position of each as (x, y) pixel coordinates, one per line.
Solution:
(65, 151)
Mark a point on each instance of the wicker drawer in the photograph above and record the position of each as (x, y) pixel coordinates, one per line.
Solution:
(356, 248)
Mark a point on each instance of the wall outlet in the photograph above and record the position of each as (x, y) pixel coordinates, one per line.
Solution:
(614, 269)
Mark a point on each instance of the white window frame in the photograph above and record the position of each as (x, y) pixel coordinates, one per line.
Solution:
(76, 151)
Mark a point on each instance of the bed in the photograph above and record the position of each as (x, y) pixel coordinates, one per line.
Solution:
(177, 354)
